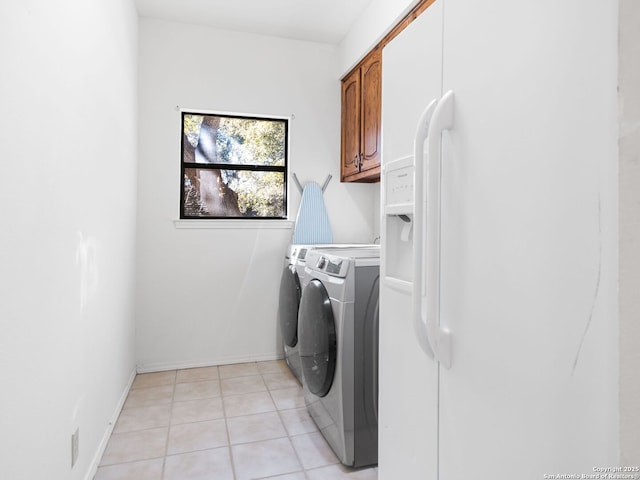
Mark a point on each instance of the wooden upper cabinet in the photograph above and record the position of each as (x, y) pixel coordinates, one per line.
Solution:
(361, 121)
(362, 108)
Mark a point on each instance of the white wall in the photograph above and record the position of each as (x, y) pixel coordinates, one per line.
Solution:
(209, 296)
(67, 196)
(376, 21)
(629, 179)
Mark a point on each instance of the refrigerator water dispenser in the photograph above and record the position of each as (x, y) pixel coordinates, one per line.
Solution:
(397, 223)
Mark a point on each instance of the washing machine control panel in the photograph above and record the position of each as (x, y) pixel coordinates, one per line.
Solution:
(329, 265)
(338, 262)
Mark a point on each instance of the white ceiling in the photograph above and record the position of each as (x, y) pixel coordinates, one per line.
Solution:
(326, 21)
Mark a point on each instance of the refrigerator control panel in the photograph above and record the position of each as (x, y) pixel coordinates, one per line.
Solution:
(399, 186)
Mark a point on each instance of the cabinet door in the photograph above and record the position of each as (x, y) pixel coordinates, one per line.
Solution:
(350, 125)
(371, 115)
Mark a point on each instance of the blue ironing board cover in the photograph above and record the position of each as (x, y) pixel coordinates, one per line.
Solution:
(312, 223)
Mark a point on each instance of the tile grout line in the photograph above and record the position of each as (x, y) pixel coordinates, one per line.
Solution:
(233, 463)
(166, 445)
(303, 470)
(116, 434)
(226, 424)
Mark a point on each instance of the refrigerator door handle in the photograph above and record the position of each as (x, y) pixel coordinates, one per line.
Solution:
(422, 129)
(439, 338)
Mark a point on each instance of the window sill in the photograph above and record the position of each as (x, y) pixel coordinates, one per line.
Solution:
(234, 224)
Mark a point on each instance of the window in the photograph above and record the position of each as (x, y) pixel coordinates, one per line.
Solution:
(233, 166)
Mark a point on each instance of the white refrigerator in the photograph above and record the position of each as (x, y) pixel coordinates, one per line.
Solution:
(498, 300)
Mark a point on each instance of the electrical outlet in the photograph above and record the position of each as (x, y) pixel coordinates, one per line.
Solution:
(75, 446)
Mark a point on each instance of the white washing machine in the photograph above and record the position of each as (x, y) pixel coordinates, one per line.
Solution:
(338, 347)
(291, 282)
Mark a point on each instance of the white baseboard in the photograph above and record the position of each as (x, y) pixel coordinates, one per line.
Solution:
(161, 367)
(109, 430)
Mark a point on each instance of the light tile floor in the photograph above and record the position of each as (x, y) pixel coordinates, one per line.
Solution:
(233, 422)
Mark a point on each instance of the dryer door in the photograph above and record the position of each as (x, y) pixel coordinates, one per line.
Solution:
(289, 301)
(318, 343)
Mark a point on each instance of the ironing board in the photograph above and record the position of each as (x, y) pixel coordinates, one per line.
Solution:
(312, 223)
